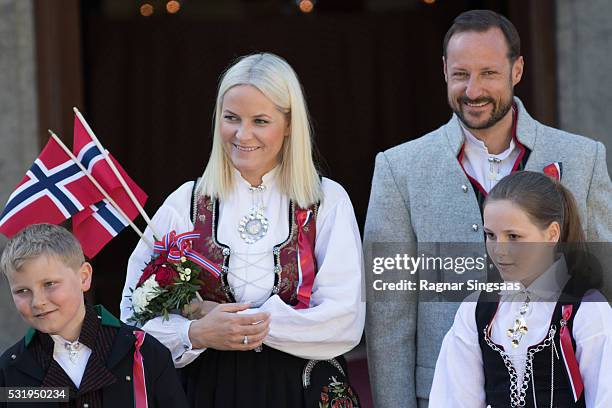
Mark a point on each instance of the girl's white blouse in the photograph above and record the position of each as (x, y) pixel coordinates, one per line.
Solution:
(459, 376)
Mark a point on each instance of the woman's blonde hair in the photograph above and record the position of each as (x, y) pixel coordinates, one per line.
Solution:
(297, 175)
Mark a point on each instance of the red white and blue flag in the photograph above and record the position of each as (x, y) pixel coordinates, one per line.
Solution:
(53, 190)
(99, 223)
(95, 226)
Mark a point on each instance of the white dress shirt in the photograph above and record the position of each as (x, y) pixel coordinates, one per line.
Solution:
(75, 369)
(483, 166)
(334, 322)
(459, 376)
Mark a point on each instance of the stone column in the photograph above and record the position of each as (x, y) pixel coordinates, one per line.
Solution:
(584, 57)
(18, 126)
(584, 50)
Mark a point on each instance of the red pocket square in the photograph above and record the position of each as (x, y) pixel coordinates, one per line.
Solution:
(554, 170)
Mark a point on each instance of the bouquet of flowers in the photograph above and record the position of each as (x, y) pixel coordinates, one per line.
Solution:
(170, 280)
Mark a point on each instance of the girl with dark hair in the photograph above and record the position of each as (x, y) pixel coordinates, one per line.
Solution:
(547, 344)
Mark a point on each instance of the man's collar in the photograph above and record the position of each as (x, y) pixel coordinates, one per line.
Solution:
(525, 129)
(473, 144)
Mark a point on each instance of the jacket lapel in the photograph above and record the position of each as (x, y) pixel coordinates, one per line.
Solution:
(121, 393)
(526, 128)
(25, 363)
(124, 341)
(454, 134)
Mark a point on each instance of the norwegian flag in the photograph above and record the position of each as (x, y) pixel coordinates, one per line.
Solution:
(53, 190)
(99, 223)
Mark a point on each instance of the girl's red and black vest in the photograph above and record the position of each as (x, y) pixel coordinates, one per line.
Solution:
(205, 218)
(497, 377)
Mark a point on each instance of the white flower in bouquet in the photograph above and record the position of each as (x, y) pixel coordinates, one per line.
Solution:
(144, 294)
(185, 275)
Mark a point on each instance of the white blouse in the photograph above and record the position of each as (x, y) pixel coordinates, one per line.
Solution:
(334, 322)
(459, 376)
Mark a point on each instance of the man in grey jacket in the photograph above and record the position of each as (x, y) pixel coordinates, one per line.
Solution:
(431, 189)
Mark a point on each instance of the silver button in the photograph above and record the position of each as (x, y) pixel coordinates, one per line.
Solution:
(474, 227)
(85, 405)
(13, 356)
(128, 378)
(464, 188)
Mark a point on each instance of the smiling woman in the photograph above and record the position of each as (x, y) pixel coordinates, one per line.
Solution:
(273, 119)
(253, 130)
(282, 246)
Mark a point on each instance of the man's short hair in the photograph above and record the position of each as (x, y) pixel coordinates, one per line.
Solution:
(39, 240)
(481, 21)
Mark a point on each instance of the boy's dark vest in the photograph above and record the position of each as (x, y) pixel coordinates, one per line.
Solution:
(287, 264)
(548, 357)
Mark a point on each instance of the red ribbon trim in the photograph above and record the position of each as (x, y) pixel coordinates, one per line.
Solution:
(569, 357)
(306, 260)
(140, 386)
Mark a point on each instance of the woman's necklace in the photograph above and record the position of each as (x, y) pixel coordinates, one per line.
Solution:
(254, 226)
(519, 328)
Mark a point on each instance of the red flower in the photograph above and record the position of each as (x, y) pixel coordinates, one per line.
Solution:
(165, 275)
(154, 268)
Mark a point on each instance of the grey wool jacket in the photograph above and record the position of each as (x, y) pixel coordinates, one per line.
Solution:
(420, 193)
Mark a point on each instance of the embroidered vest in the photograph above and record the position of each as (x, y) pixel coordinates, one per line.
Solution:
(291, 272)
(549, 363)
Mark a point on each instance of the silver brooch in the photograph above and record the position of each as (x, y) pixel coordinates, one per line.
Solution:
(73, 350)
(254, 226)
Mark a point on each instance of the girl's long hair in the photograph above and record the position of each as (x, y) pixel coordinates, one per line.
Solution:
(546, 200)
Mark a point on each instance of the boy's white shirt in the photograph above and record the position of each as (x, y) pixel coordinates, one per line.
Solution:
(459, 375)
(76, 369)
